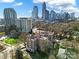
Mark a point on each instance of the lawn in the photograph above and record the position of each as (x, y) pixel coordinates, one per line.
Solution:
(11, 41)
(2, 33)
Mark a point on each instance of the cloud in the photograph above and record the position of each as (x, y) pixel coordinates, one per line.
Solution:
(18, 4)
(7, 1)
(56, 2)
(71, 9)
(61, 2)
(58, 5)
(39, 1)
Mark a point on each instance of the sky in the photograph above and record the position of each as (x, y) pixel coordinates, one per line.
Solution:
(24, 8)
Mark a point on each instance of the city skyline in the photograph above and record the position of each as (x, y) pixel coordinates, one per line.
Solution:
(24, 8)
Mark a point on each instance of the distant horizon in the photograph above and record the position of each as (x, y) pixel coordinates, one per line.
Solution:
(24, 8)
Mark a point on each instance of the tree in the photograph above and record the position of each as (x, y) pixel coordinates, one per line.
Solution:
(37, 44)
(19, 54)
(52, 57)
(69, 53)
(23, 37)
(12, 31)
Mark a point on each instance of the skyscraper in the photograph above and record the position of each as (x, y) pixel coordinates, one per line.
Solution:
(44, 10)
(72, 16)
(52, 15)
(47, 15)
(9, 16)
(35, 12)
(67, 16)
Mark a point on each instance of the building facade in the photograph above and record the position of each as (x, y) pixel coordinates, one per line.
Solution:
(35, 12)
(44, 10)
(72, 16)
(18, 24)
(26, 24)
(52, 15)
(9, 16)
(47, 15)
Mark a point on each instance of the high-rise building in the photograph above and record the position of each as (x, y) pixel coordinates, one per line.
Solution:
(62, 15)
(47, 15)
(35, 12)
(72, 16)
(44, 10)
(67, 16)
(18, 23)
(9, 16)
(26, 24)
(52, 15)
(57, 16)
